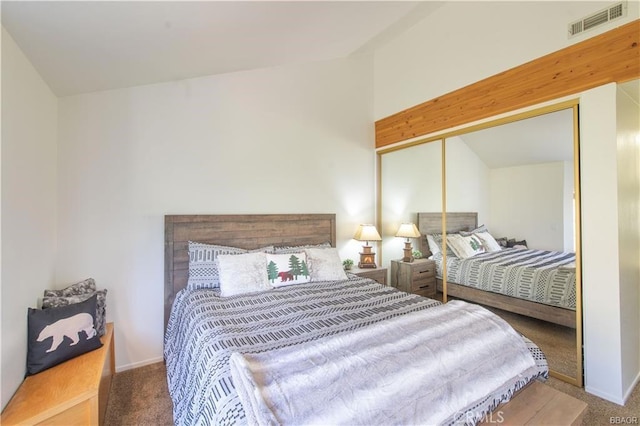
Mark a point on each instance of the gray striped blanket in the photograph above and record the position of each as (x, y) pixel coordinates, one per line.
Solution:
(205, 329)
(541, 276)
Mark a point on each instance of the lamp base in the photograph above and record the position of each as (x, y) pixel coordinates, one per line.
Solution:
(408, 252)
(367, 258)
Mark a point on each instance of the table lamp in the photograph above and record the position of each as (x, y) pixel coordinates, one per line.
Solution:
(408, 230)
(367, 233)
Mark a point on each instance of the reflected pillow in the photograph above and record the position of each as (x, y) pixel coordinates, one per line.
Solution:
(481, 228)
(435, 244)
(465, 247)
(489, 243)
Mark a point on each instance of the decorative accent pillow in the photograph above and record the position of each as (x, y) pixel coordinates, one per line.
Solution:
(325, 264)
(58, 334)
(203, 268)
(101, 305)
(481, 228)
(517, 244)
(502, 241)
(87, 286)
(287, 269)
(242, 273)
(298, 249)
(436, 241)
(434, 247)
(489, 243)
(465, 247)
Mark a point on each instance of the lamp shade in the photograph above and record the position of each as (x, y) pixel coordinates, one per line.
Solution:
(408, 230)
(367, 232)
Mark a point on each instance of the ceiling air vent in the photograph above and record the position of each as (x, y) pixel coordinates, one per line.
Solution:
(616, 11)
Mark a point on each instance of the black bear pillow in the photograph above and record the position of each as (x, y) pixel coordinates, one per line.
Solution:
(59, 334)
(49, 301)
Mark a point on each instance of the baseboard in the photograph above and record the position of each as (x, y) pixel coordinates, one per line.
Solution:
(604, 395)
(629, 391)
(121, 368)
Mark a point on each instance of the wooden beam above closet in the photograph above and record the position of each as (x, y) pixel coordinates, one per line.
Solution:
(610, 57)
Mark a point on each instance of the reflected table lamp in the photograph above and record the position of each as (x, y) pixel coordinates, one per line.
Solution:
(367, 233)
(408, 230)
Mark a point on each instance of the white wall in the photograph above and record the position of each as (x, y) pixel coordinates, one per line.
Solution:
(463, 42)
(294, 139)
(468, 181)
(527, 203)
(600, 233)
(628, 128)
(435, 57)
(29, 126)
(411, 183)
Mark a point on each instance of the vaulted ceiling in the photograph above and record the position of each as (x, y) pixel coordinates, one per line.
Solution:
(86, 46)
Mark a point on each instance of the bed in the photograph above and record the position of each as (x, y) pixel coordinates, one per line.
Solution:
(536, 283)
(213, 344)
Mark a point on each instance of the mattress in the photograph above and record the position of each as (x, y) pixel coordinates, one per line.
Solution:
(547, 277)
(205, 329)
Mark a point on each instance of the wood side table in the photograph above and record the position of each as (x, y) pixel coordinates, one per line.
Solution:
(417, 277)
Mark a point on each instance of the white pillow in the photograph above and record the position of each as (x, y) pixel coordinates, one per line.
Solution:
(490, 244)
(287, 269)
(465, 247)
(242, 273)
(434, 248)
(325, 264)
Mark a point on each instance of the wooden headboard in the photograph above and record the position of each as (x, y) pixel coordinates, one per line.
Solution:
(431, 223)
(244, 231)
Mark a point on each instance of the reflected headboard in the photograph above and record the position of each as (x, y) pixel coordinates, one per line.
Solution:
(243, 231)
(431, 223)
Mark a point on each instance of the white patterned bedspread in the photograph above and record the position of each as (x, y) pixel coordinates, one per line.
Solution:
(541, 276)
(204, 330)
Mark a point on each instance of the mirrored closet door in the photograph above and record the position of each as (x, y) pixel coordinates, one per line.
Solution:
(518, 177)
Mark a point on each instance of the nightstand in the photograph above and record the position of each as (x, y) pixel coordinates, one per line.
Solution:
(417, 277)
(376, 274)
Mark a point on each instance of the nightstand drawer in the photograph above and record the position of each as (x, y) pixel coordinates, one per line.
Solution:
(428, 284)
(430, 292)
(423, 270)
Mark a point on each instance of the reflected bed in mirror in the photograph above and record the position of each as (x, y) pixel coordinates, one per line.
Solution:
(553, 328)
(535, 283)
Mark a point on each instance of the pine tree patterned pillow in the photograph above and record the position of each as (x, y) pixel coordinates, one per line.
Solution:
(287, 269)
(465, 247)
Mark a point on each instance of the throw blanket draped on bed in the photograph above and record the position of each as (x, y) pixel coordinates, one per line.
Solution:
(414, 369)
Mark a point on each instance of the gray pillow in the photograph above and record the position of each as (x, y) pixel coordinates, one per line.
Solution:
(87, 286)
(101, 305)
(298, 249)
